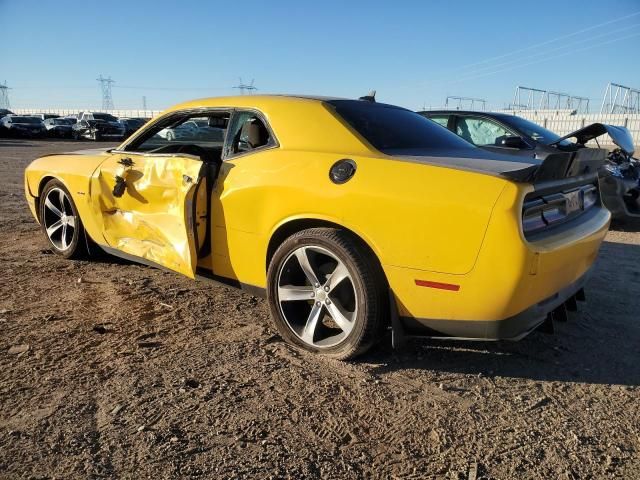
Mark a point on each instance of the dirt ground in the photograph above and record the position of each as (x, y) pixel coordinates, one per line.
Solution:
(111, 369)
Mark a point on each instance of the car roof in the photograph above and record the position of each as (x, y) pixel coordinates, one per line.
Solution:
(257, 101)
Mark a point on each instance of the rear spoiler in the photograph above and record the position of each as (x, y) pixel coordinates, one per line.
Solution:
(557, 166)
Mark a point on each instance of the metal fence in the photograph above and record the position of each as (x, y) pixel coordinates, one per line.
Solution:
(72, 111)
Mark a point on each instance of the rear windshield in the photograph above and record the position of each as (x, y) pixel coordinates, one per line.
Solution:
(535, 131)
(105, 116)
(389, 128)
(25, 120)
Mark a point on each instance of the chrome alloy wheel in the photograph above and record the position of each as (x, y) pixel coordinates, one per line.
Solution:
(59, 220)
(316, 296)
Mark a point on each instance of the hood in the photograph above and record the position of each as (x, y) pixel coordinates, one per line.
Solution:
(89, 151)
(620, 136)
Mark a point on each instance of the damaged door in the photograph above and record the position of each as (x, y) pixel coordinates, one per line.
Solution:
(145, 203)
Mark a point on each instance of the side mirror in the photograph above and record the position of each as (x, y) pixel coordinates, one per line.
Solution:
(512, 142)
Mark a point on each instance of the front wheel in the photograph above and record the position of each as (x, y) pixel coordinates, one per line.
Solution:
(327, 293)
(60, 221)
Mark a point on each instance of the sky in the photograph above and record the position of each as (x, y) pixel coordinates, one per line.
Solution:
(413, 53)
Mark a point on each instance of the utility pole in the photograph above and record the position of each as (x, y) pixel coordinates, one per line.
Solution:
(144, 102)
(4, 96)
(245, 87)
(105, 85)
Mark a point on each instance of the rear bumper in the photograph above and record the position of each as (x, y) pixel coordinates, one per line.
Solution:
(512, 328)
(514, 284)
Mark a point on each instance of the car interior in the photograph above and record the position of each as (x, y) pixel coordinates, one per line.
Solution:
(246, 130)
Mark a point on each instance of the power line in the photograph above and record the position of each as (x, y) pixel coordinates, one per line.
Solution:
(177, 89)
(547, 42)
(553, 40)
(563, 47)
(553, 57)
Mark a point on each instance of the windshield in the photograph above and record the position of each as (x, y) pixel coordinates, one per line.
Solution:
(25, 120)
(534, 131)
(104, 116)
(61, 121)
(389, 128)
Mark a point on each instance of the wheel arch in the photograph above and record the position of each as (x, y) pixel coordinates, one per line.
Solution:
(41, 184)
(294, 225)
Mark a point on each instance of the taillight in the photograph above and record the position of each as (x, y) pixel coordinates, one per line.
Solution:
(532, 216)
(589, 197)
(556, 208)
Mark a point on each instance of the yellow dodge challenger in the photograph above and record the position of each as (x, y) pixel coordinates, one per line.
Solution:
(350, 216)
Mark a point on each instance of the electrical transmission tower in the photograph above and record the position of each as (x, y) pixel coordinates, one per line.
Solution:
(467, 101)
(105, 85)
(245, 87)
(4, 96)
(620, 99)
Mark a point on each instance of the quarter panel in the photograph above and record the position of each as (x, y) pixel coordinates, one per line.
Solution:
(413, 215)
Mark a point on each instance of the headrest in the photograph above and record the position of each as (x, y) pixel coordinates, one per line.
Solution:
(254, 133)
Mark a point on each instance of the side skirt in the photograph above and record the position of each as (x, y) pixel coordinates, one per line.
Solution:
(201, 273)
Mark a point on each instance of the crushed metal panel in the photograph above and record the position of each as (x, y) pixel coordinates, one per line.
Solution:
(153, 219)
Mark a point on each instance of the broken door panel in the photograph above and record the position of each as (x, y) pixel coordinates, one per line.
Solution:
(145, 205)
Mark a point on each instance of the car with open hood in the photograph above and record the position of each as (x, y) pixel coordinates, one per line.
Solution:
(97, 126)
(506, 133)
(349, 216)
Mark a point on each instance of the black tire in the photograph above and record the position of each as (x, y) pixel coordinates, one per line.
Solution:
(366, 282)
(77, 243)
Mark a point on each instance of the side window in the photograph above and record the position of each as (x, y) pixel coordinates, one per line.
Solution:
(440, 119)
(247, 133)
(179, 132)
(480, 131)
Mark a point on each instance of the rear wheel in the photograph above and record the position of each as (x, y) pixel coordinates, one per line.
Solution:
(60, 221)
(326, 293)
